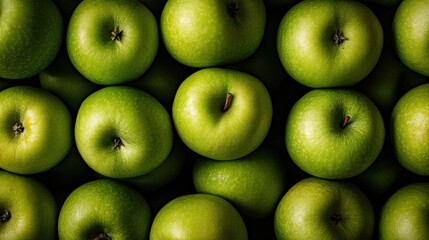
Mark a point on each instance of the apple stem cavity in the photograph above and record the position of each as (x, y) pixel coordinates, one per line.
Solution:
(228, 102)
(346, 121)
(116, 34)
(233, 9)
(18, 128)
(102, 236)
(5, 215)
(336, 218)
(338, 38)
(117, 143)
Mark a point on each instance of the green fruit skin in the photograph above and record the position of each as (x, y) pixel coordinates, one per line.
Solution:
(104, 205)
(103, 60)
(32, 206)
(318, 145)
(137, 118)
(306, 209)
(410, 130)
(32, 36)
(198, 216)
(404, 215)
(210, 132)
(204, 34)
(254, 183)
(410, 29)
(308, 53)
(48, 131)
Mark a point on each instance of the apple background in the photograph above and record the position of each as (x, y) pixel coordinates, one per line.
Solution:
(389, 78)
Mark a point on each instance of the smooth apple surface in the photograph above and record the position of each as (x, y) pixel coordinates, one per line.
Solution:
(198, 216)
(320, 43)
(112, 41)
(32, 33)
(405, 213)
(410, 29)
(36, 130)
(317, 208)
(410, 130)
(27, 208)
(123, 132)
(208, 33)
(334, 133)
(104, 209)
(222, 113)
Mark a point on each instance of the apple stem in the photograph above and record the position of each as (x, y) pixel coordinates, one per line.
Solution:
(5, 215)
(233, 9)
(338, 38)
(117, 143)
(336, 218)
(116, 34)
(102, 236)
(228, 101)
(345, 122)
(18, 128)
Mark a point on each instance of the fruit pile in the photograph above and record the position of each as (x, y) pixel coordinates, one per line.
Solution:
(204, 119)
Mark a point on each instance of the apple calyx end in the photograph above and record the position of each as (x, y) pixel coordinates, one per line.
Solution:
(336, 218)
(228, 102)
(5, 215)
(102, 236)
(338, 38)
(18, 128)
(117, 143)
(233, 9)
(345, 122)
(116, 34)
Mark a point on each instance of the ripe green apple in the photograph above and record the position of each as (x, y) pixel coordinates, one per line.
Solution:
(209, 33)
(320, 42)
(36, 130)
(198, 216)
(253, 184)
(410, 130)
(32, 33)
(316, 208)
(222, 113)
(334, 133)
(62, 79)
(112, 41)
(123, 132)
(27, 208)
(404, 215)
(410, 28)
(104, 209)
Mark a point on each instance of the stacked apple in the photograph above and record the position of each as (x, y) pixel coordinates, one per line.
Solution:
(234, 119)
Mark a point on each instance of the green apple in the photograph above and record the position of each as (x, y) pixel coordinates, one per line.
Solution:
(198, 216)
(32, 33)
(410, 130)
(317, 208)
(27, 208)
(253, 184)
(410, 28)
(112, 41)
(222, 113)
(123, 132)
(404, 215)
(62, 79)
(320, 42)
(334, 133)
(209, 33)
(36, 130)
(104, 209)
